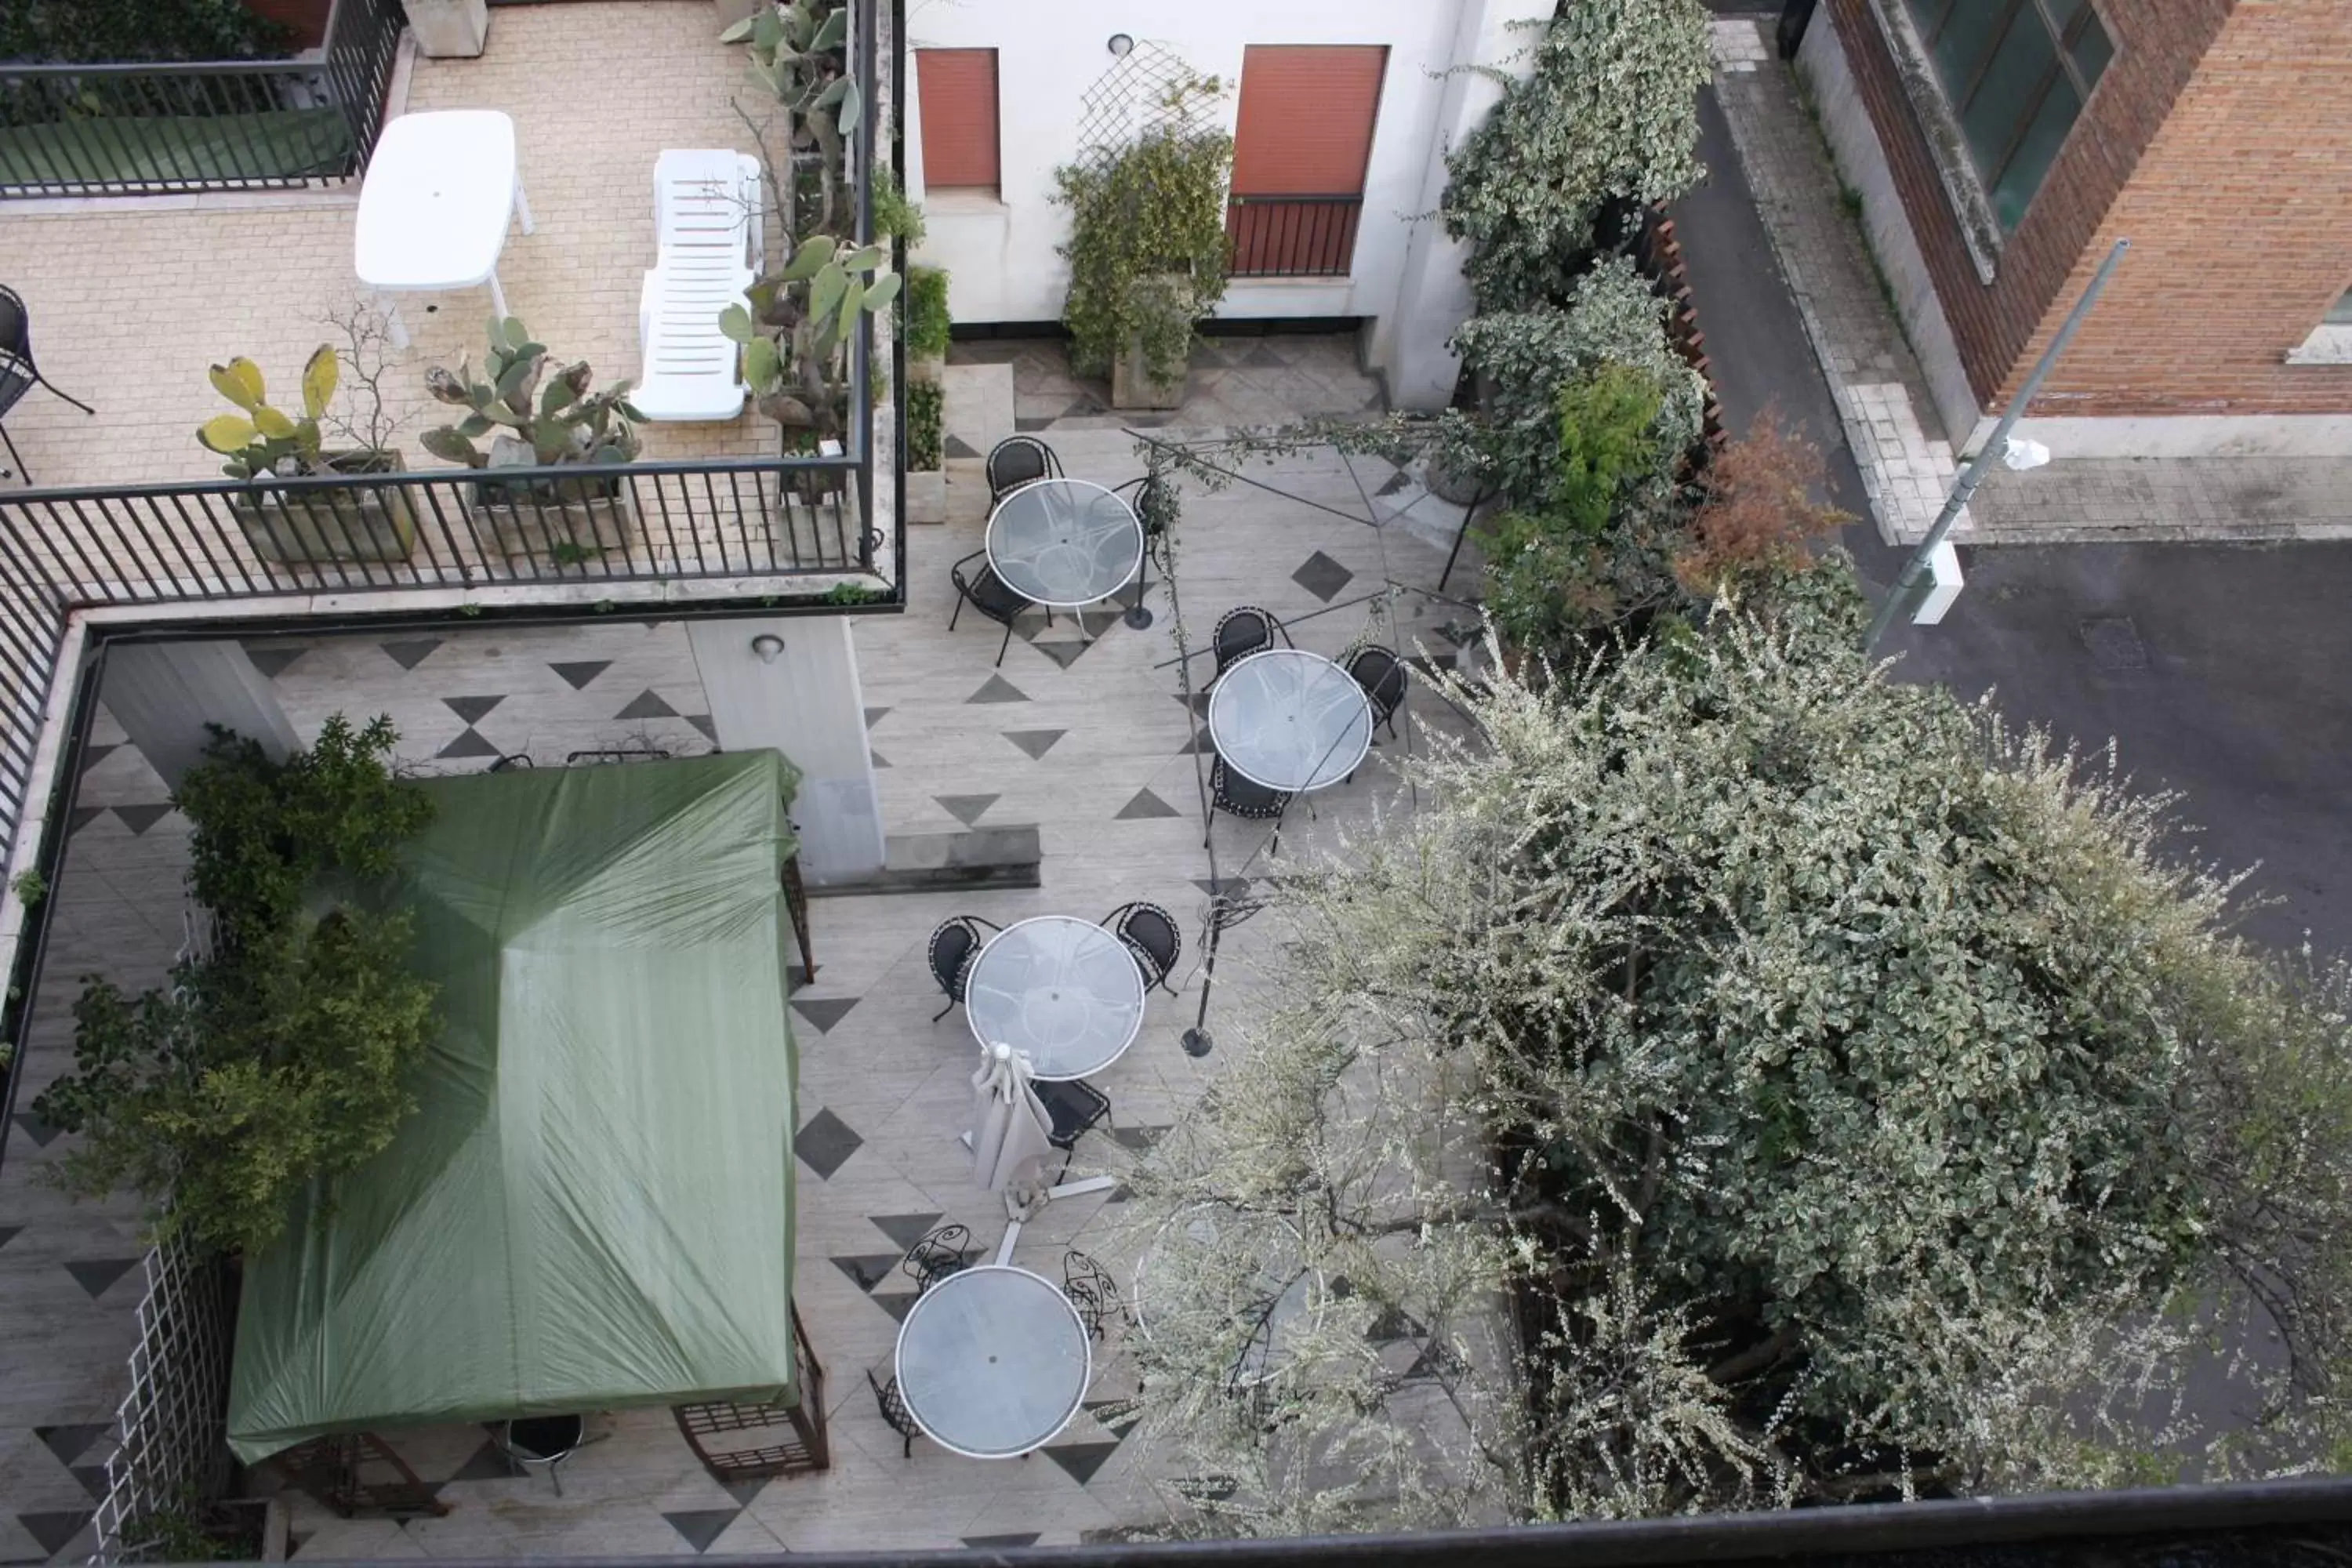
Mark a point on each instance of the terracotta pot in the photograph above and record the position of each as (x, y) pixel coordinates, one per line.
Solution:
(311, 527)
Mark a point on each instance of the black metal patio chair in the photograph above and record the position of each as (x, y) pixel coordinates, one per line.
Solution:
(990, 594)
(1380, 673)
(1150, 933)
(1092, 1290)
(894, 1412)
(953, 947)
(1237, 796)
(940, 1252)
(1243, 630)
(1148, 512)
(543, 1440)
(1019, 460)
(18, 374)
(1076, 1108)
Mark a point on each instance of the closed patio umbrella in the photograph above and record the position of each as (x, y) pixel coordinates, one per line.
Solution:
(1011, 1132)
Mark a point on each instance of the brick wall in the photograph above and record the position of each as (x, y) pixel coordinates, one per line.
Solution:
(2157, 45)
(2239, 215)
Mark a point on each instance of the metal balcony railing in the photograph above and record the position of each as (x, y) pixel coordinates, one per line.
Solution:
(1293, 237)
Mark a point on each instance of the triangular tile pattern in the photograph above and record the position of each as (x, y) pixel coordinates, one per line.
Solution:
(966, 808)
(824, 1013)
(52, 1530)
(472, 708)
(895, 1302)
(1034, 743)
(9, 1233)
(38, 1130)
(94, 1479)
(956, 447)
(82, 817)
(707, 724)
(874, 716)
(140, 819)
(577, 675)
(877, 758)
(1144, 806)
(1081, 1460)
(905, 1229)
(647, 704)
(824, 1142)
(744, 1492)
(701, 1526)
(996, 689)
(1065, 654)
(95, 753)
(409, 655)
(72, 1442)
(272, 661)
(489, 1463)
(1198, 745)
(1322, 576)
(94, 1275)
(470, 742)
(868, 1269)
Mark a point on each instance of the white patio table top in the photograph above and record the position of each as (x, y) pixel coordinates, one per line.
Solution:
(1065, 543)
(992, 1361)
(1290, 719)
(1063, 989)
(441, 190)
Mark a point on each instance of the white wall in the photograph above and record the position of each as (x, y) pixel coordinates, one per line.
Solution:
(1001, 253)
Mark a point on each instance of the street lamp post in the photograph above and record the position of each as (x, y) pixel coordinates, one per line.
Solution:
(2029, 456)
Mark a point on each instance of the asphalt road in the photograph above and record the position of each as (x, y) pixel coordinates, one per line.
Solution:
(2220, 672)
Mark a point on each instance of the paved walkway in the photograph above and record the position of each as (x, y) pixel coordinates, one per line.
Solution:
(1882, 394)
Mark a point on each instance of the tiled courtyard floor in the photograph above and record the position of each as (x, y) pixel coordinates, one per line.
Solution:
(1091, 739)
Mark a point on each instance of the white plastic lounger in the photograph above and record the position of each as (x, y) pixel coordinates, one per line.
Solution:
(707, 211)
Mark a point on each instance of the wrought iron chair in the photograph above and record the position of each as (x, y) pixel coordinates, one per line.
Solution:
(1381, 675)
(546, 1440)
(1150, 933)
(1237, 796)
(894, 1412)
(990, 594)
(1076, 1108)
(1243, 630)
(18, 374)
(1149, 512)
(944, 1251)
(1019, 460)
(953, 947)
(1091, 1290)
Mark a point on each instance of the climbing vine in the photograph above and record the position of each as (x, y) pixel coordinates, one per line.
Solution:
(1147, 247)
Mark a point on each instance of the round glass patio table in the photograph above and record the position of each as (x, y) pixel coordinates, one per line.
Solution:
(1065, 543)
(992, 1361)
(1289, 719)
(1063, 989)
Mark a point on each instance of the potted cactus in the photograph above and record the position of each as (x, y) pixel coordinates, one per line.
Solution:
(567, 522)
(310, 524)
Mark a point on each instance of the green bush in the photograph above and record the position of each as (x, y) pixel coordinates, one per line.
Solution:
(98, 32)
(924, 402)
(928, 323)
(282, 1056)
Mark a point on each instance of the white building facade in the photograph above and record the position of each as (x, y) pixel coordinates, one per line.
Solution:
(1359, 99)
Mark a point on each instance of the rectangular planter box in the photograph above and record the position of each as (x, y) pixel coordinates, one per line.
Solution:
(568, 529)
(328, 525)
(926, 495)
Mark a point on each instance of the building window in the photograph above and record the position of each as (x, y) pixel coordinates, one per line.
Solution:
(959, 108)
(1302, 144)
(2017, 73)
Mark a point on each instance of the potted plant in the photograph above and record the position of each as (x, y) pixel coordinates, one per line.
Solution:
(928, 323)
(1148, 250)
(566, 521)
(260, 442)
(926, 479)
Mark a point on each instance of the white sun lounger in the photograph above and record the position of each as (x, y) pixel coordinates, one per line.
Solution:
(707, 211)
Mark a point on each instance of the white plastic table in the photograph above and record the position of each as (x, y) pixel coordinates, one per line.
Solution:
(1063, 989)
(1290, 719)
(441, 190)
(1065, 543)
(992, 1361)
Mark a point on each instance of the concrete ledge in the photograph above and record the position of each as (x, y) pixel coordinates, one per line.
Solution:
(940, 862)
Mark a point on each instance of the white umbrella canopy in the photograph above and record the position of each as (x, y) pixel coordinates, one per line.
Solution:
(1012, 1133)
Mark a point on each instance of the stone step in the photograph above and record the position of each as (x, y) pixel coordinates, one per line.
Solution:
(938, 862)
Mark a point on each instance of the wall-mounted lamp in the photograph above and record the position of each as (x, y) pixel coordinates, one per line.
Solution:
(768, 646)
(1120, 44)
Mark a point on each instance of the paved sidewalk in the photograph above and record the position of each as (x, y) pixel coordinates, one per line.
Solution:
(1880, 392)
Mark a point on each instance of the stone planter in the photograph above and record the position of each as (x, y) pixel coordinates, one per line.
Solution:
(925, 369)
(1131, 385)
(308, 528)
(566, 523)
(926, 495)
(448, 29)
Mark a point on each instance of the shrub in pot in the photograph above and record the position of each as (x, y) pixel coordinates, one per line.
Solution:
(566, 521)
(308, 523)
(928, 323)
(926, 493)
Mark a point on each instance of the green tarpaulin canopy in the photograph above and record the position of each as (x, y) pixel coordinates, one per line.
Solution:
(592, 1205)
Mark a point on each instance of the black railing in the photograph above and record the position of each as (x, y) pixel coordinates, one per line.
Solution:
(1292, 237)
(174, 126)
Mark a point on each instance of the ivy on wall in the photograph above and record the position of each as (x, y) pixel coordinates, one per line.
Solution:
(1147, 248)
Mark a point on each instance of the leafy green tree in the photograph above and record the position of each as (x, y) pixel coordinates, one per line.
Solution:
(280, 1055)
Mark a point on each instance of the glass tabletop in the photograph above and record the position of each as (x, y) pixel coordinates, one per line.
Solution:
(992, 1361)
(1066, 542)
(1063, 989)
(1290, 719)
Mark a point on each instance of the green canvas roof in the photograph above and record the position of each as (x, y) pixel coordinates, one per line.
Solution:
(592, 1207)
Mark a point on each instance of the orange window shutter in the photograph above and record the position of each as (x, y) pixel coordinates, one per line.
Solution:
(959, 104)
(1306, 118)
